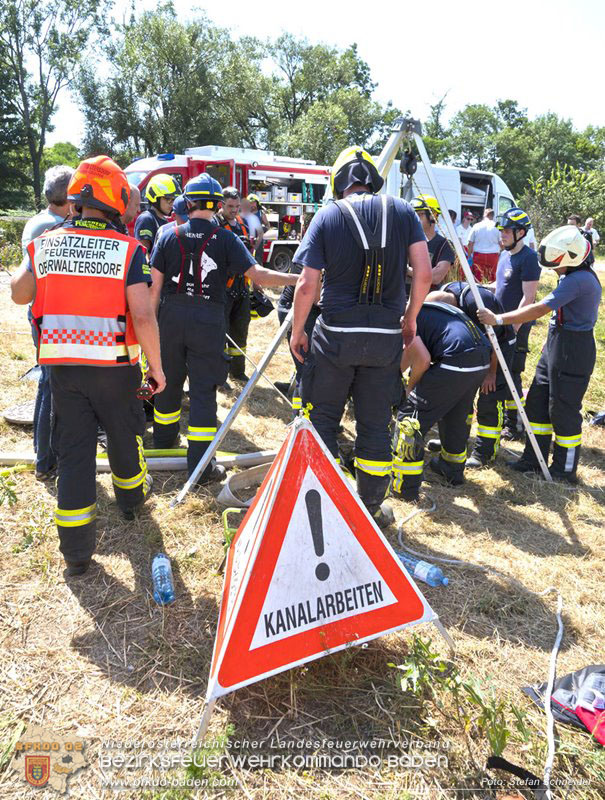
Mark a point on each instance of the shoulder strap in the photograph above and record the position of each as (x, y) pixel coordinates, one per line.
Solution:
(372, 241)
(196, 252)
(454, 311)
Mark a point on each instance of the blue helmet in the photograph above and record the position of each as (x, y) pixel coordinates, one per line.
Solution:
(204, 187)
(180, 207)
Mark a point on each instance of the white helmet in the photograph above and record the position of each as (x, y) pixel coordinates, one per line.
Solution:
(563, 247)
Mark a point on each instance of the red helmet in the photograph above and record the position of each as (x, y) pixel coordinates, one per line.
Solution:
(100, 183)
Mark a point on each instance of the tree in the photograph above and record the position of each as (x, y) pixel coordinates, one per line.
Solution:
(41, 46)
(12, 146)
(60, 153)
(436, 136)
(164, 93)
(472, 136)
(554, 142)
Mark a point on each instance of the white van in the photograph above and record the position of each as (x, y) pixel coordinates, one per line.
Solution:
(464, 189)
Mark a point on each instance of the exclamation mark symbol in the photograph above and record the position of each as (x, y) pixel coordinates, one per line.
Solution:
(313, 501)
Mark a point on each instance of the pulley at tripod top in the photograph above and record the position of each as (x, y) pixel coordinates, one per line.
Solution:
(408, 163)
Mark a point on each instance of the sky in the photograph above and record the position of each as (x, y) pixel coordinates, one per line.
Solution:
(548, 59)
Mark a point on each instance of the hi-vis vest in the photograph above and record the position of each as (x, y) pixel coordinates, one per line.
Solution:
(80, 307)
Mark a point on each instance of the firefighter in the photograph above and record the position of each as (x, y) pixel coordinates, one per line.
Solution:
(490, 400)
(362, 242)
(92, 308)
(237, 307)
(517, 277)
(160, 194)
(190, 268)
(440, 250)
(448, 361)
(554, 401)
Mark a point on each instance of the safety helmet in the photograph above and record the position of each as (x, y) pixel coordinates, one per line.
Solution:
(352, 166)
(161, 185)
(99, 183)
(426, 202)
(204, 187)
(180, 207)
(563, 247)
(253, 198)
(514, 219)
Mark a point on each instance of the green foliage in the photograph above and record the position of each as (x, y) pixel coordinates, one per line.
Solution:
(477, 711)
(10, 243)
(567, 190)
(7, 490)
(41, 45)
(61, 153)
(502, 139)
(291, 96)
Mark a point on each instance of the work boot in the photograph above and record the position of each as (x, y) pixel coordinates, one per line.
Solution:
(474, 461)
(48, 475)
(226, 387)
(411, 494)
(75, 568)
(564, 477)
(239, 377)
(383, 516)
(215, 472)
(132, 513)
(511, 434)
(521, 465)
(453, 473)
(434, 445)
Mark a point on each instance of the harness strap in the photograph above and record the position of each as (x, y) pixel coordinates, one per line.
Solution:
(372, 242)
(197, 251)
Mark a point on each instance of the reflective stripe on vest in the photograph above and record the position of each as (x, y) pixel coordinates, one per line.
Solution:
(80, 308)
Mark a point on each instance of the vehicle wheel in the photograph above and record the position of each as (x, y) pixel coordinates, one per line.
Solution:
(281, 259)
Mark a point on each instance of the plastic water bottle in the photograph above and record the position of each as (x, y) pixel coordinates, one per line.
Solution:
(422, 570)
(163, 585)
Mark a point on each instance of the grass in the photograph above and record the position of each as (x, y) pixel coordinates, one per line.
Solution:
(97, 658)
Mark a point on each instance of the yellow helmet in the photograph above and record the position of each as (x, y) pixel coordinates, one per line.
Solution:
(426, 202)
(161, 185)
(352, 166)
(563, 247)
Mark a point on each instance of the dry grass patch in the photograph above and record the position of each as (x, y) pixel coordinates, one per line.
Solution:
(97, 657)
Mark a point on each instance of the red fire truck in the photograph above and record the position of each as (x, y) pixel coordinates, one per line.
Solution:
(287, 187)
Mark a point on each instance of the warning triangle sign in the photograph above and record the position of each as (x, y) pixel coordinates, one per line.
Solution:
(308, 572)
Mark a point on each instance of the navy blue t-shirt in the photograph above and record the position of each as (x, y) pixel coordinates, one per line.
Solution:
(511, 272)
(466, 302)
(575, 301)
(329, 245)
(445, 334)
(147, 225)
(224, 255)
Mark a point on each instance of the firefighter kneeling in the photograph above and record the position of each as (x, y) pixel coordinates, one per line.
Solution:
(449, 358)
(92, 306)
(490, 400)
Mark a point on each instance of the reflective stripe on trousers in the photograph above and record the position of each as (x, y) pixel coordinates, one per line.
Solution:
(75, 517)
